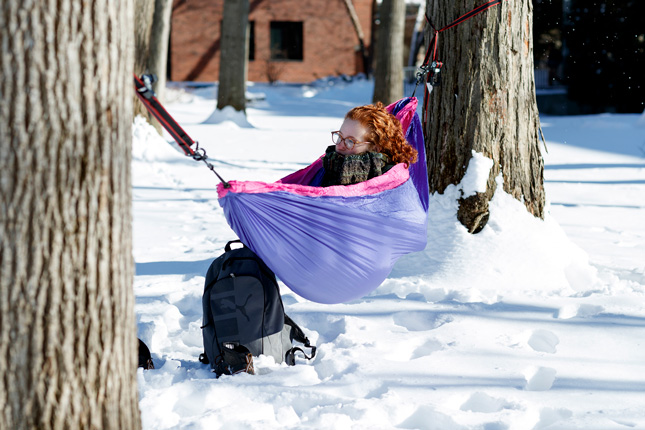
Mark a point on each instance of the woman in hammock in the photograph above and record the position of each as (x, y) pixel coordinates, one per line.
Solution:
(293, 224)
(369, 143)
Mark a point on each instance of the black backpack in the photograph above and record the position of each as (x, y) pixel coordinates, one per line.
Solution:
(244, 315)
(145, 358)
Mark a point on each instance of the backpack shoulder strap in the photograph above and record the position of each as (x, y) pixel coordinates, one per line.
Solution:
(299, 336)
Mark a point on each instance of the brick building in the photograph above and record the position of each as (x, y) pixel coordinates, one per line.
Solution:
(290, 40)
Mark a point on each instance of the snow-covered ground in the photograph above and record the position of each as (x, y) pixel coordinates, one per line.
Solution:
(528, 325)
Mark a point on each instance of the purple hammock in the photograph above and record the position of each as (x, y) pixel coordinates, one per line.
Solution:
(335, 244)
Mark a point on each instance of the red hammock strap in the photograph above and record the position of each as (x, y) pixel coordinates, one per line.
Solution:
(143, 89)
(468, 15)
(464, 17)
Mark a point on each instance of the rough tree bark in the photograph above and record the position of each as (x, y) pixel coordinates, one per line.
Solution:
(144, 11)
(486, 103)
(388, 73)
(158, 49)
(151, 38)
(67, 328)
(234, 55)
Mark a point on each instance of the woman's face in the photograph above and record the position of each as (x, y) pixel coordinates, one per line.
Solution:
(357, 132)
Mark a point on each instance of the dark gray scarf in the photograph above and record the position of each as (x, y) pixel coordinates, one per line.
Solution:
(351, 169)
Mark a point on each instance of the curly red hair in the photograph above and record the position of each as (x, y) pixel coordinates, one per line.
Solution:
(385, 132)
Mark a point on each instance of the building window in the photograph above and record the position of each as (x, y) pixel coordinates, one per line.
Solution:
(251, 40)
(286, 40)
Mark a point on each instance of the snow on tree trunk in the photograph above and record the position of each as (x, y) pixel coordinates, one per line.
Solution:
(388, 73)
(67, 328)
(486, 103)
(233, 57)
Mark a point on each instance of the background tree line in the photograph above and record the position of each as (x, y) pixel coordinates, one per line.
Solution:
(598, 49)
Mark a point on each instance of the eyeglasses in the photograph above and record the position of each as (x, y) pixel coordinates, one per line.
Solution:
(349, 142)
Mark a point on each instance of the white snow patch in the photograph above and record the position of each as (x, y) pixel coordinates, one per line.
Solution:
(476, 177)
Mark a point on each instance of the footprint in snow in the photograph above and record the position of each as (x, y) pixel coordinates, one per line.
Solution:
(539, 378)
(426, 418)
(581, 311)
(482, 402)
(543, 341)
(427, 348)
(549, 416)
(420, 320)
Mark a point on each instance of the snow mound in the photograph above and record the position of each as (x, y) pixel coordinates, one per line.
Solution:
(228, 116)
(516, 253)
(149, 145)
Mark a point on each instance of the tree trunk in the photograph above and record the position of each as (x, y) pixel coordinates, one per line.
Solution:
(67, 329)
(388, 74)
(151, 36)
(351, 10)
(158, 50)
(234, 55)
(143, 14)
(486, 103)
(417, 36)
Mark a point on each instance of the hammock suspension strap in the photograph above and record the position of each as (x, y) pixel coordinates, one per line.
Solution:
(143, 87)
